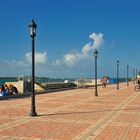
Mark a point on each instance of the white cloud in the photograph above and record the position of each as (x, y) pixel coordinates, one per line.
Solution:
(14, 68)
(23, 67)
(86, 49)
(56, 63)
(72, 58)
(15, 64)
(40, 58)
(98, 40)
(68, 59)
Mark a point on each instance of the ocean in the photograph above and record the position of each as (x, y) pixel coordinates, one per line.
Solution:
(37, 79)
(51, 80)
(3, 80)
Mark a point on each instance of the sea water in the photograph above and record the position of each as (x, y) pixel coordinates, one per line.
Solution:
(3, 80)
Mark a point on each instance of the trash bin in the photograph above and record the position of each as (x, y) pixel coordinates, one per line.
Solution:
(112, 81)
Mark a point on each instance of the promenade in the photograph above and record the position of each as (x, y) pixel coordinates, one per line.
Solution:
(74, 115)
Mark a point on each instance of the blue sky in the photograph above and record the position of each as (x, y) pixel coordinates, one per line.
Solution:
(63, 29)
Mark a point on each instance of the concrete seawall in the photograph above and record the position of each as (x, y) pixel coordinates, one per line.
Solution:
(24, 86)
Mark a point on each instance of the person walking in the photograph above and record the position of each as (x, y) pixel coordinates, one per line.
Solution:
(104, 82)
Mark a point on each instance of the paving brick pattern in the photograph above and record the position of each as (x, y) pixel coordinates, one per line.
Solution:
(74, 115)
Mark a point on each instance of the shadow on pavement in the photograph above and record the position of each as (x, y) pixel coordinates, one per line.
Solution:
(69, 113)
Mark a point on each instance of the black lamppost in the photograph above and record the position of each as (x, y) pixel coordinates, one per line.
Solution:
(136, 75)
(133, 75)
(32, 27)
(127, 75)
(95, 56)
(118, 74)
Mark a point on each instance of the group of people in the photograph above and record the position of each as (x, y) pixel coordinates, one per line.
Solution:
(8, 90)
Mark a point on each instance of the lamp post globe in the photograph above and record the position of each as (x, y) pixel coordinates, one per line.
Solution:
(118, 62)
(95, 54)
(32, 27)
(95, 57)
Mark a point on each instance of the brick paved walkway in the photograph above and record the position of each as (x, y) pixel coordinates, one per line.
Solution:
(74, 115)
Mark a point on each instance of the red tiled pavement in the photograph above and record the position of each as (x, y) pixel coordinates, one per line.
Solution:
(74, 115)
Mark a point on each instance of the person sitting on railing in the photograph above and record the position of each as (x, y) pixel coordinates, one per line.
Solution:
(0, 91)
(13, 90)
(6, 89)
